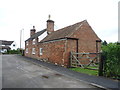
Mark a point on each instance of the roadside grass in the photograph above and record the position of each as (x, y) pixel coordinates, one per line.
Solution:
(86, 71)
(93, 67)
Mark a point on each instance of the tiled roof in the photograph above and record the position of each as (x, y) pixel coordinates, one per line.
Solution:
(36, 34)
(4, 42)
(5, 47)
(62, 33)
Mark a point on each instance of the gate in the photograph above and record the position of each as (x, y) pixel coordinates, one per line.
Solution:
(84, 60)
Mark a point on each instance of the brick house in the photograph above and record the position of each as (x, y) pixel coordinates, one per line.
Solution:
(57, 45)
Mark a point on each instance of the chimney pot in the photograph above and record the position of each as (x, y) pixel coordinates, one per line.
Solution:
(32, 31)
(33, 27)
(50, 26)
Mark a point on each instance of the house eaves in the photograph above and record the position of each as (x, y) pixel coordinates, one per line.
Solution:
(60, 39)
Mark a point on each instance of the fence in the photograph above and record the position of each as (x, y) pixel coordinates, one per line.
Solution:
(96, 61)
(87, 60)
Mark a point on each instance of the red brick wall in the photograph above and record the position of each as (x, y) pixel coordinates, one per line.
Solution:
(30, 46)
(58, 51)
(71, 47)
(87, 39)
(53, 51)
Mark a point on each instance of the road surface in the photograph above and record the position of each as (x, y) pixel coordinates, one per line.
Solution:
(20, 73)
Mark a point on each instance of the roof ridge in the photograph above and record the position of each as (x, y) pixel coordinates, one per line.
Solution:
(71, 25)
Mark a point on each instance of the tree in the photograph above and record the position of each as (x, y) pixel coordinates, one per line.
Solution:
(104, 43)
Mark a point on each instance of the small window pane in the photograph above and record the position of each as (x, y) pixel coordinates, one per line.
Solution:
(33, 41)
(33, 50)
(27, 43)
(26, 50)
(41, 51)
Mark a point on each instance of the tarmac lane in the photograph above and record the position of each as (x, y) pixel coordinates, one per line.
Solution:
(19, 73)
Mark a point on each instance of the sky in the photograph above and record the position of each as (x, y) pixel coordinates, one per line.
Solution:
(21, 15)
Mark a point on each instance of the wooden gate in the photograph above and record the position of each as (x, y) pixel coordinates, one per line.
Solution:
(84, 60)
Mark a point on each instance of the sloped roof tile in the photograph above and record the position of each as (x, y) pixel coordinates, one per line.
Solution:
(4, 42)
(62, 33)
(36, 34)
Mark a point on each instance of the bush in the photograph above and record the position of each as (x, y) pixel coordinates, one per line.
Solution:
(111, 54)
(13, 52)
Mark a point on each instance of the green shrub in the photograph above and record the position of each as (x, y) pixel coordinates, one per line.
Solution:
(111, 54)
(13, 52)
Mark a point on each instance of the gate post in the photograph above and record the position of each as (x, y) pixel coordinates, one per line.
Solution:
(100, 65)
(70, 62)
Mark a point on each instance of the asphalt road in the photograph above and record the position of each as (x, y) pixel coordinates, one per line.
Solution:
(19, 73)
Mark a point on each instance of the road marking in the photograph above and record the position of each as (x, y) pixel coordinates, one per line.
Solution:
(99, 86)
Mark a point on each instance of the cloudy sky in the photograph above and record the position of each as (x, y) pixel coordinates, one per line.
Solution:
(16, 15)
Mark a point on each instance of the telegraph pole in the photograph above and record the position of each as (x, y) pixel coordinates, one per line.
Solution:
(20, 37)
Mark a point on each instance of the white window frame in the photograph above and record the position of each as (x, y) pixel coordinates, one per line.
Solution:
(27, 43)
(41, 51)
(26, 50)
(33, 50)
(33, 42)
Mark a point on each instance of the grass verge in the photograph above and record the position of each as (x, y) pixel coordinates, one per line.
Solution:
(86, 71)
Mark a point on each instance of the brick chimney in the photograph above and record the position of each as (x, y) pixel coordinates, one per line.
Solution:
(50, 26)
(32, 31)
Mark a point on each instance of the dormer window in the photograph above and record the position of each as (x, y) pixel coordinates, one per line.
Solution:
(26, 42)
(33, 41)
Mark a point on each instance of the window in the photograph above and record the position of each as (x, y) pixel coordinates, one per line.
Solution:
(33, 41)
(26, 42)
(41, 51)
(33, 50)
(26, 50)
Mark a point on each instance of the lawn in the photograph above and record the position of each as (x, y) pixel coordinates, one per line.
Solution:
(86, 71)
